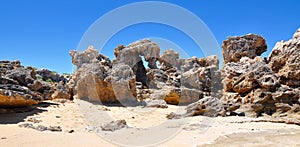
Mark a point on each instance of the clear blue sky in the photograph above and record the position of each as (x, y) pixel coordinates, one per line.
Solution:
(41, 32)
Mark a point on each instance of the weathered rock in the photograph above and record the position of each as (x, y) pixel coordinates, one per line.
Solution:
(51, 76)
(22, 86)
(17, 96)
(23, 76)
(182, 96)
(100, 82)
(131, 56)
(284, 60)
(123, 83)
(173, 115)
(62, 91)
(251, 45)
(156, 103)
(169, 59)
(257, 87)
(41, 127)
(248, 74)
(88, 56)
(156, 78)
(285, 94)
(8, 65)
(104, 60)
(114, 125)
(208, 106)
(182, 81)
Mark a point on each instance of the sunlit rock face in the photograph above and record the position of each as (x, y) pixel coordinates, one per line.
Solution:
(285, 61)
(177, 81)
(256, 86)
(98, 80)
(26, 86)
(251, 45)
(246, 84)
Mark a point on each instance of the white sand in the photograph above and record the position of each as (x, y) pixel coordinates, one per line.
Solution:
(147, 125)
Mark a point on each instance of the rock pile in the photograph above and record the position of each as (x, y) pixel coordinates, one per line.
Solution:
(246, 85)
(257, 86)
(25, 86)
(177, 81)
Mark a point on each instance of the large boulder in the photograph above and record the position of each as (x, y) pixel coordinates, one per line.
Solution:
(124, 83)
(251, 45)
(97, 79)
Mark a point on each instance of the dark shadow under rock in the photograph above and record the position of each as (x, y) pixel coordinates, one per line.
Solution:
(16, 115)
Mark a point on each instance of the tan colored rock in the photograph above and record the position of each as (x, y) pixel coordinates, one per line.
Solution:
(169, 59)
(173, 97)
(131, 56)
(183, 96)
(100, 82)
(17, 96)
(251, 45)
(22, 86)
(62, 91)
(248, 74)
(88, 56)
(284, 60)
(208, 106)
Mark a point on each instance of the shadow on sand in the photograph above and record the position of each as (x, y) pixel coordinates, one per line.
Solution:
(16, 115)
(116, 104)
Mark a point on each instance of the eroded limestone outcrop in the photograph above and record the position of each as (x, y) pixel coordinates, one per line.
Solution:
(256, 86)
(251, 45)
(246, 85)
(26, 86)
(177, 81)
(98, 80)
(285, 61)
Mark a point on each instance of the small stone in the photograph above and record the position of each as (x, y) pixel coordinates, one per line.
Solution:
(54, 128)
(114, 125)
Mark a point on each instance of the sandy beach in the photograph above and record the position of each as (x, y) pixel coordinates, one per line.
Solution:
(195, 131)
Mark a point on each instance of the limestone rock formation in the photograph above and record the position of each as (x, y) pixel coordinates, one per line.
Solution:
(256, 86)
(251, 85)
(251, 45)
(98, 80)
(132, 54)
(23, 86)
(123, 82)
(284, 60)
(177, 81)
(62, 91)
(207, 106)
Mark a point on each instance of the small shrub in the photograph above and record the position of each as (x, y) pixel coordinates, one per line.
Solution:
(49, 81)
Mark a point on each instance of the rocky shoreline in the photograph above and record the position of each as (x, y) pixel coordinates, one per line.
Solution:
(246, 85)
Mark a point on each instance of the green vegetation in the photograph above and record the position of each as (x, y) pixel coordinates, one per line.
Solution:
(39, 77)
(49, 81)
